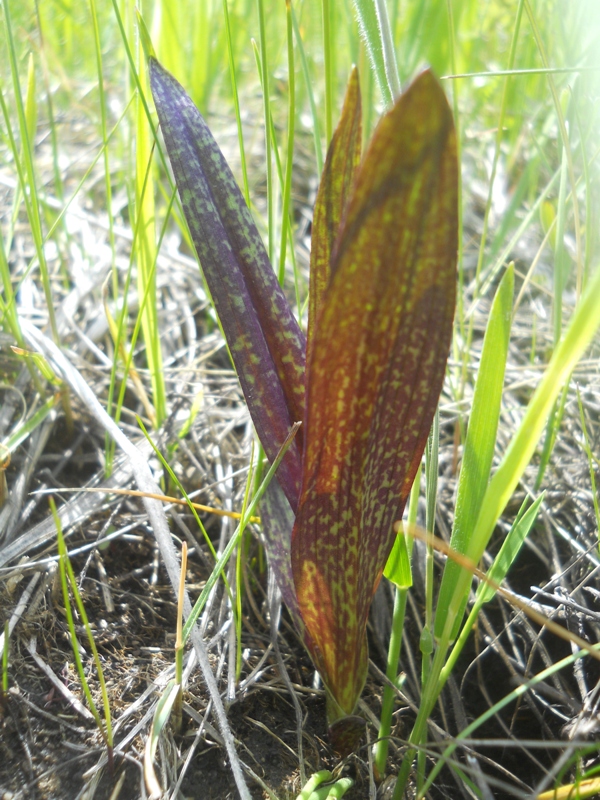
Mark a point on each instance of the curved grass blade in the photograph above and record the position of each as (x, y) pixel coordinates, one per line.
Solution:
(375, 376)
(343, 158)
(479, 446)
(265, 340)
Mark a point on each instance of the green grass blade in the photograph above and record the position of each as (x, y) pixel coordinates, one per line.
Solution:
(104, 132)
(67, 577)
(511, 547)
(27, 176)
(375, 28)
(311, 97)
(565, 141)
(328, 47)
(479, 446)
(582, 327)
(491, 712)
(286, 228)
(234, 541)
(236, 102)
(146, 251)
(265, 81)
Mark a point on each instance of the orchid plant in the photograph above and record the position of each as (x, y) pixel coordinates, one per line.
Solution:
(365, 379)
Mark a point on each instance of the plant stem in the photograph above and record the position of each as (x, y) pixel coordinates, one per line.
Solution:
(387, 705)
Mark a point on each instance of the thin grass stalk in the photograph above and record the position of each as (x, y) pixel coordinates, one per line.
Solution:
(5, 650)
(426, 639)
(146, 250)
(163, 498)
(389, 52)
(8, 304)
(287, 219)
(60, 219)
(179, 644)
(220, 565)
(552, 429)
(311, 97)
(239, 577)
(566, 144)
(27, 177)
(192, 506)
(67, 576)
(588, 201)
(58, 182)
(460, 311)
(119, 339)
(289, 163)
(560, 256)
(496, 573)
(264, 71)
(394, 648)
(375, 28)
(236, 103)
(104, 132)
(491, 712)
(329, 77)
(488, 205)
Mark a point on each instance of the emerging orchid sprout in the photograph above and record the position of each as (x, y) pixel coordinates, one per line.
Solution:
(365, 381)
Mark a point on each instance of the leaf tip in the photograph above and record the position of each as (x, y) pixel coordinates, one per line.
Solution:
(145, 39)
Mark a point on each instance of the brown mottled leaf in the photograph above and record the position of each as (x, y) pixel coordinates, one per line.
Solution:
(339, 172)
(375, 376)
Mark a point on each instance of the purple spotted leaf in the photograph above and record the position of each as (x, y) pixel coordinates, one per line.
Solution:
(265, 341)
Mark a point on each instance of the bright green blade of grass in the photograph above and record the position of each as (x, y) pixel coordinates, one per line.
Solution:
(265, 81)
(286, 228)
(564, 135)
(511, 547)
(583, 326)
(375, 29)
(397, 570)
(27, 176)
(147, 251)
(311, 97)
(104, 131)
(236, 102)
(491, 712)
(235, 539)
(160, 719)
(67, 577)
(26, 428)
(479, 446)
